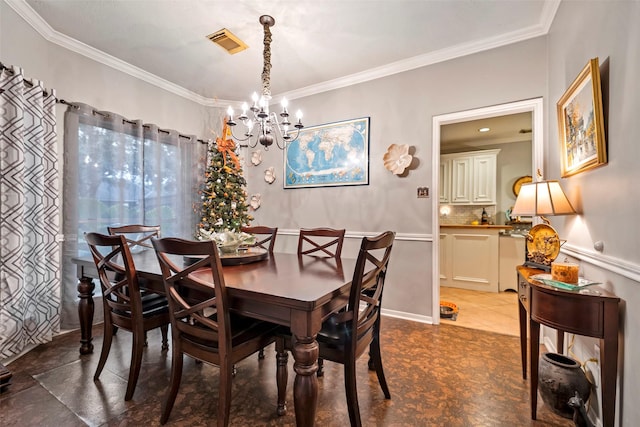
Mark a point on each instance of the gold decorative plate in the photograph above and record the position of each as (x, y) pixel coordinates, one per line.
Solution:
(543, 244)
(522, 180)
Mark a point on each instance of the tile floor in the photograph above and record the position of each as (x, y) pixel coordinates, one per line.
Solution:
(438, 376)
(487, 311)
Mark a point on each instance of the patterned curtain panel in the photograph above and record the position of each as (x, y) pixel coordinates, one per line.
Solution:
(30, 278)
(120, 171)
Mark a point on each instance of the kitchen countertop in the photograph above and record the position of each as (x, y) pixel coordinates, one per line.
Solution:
(500, 227)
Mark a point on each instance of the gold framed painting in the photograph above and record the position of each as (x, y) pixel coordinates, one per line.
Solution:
(581, 122)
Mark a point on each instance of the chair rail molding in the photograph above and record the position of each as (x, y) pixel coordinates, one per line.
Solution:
(615, 265)
(417, 237)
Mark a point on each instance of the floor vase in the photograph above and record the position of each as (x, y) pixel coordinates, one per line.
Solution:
(559, 378)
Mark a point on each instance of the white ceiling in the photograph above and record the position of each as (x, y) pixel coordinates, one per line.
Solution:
(317, 45)
(465, 136)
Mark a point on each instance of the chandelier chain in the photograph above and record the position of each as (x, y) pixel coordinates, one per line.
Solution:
(266, 70)
(256, 118)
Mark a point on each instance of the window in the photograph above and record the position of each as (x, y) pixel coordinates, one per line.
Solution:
(120, 172)
(124, 179)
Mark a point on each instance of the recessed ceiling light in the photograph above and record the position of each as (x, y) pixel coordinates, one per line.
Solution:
(484, 129)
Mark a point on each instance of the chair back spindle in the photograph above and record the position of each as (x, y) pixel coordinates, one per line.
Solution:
(265, 236)
(321, 242)
(138, 236)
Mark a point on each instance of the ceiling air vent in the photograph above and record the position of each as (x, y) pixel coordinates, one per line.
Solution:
(228, 41)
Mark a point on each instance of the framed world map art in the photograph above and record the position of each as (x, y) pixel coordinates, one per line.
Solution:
(333, 154)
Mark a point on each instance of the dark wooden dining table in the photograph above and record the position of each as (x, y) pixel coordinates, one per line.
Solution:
(291, 290)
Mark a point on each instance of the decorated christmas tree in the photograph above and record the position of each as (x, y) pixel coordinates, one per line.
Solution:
(224, 198)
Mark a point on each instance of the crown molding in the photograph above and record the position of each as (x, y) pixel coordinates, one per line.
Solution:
(22, 8)
(548, 14)
(418, 62)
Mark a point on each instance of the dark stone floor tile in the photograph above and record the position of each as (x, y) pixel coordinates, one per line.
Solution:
(438, 376)
(93, 402)
(35, 406)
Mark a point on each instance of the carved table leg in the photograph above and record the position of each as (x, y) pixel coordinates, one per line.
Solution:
(534, 351)
(282, 375)
(85, 313)
(522, 315)
(609, 365)
(305, 386)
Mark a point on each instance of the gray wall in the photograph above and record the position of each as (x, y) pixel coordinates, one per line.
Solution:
(401, 108)
(607, 197)
(514, 161)
(77, 78)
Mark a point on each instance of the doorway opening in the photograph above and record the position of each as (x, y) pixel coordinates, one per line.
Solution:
(532, 106)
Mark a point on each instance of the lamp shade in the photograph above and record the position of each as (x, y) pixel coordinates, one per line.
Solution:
(542, 198)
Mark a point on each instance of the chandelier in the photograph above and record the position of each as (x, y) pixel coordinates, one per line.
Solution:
(257, 119)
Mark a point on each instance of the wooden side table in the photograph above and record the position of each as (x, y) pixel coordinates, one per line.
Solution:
(589, 314)
(524, 297)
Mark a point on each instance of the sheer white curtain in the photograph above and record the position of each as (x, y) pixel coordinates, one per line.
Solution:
(29, 214)
(118, 172)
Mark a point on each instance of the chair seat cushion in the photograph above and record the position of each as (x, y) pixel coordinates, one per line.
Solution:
(333, 333)
(243, 329)
(154, 304)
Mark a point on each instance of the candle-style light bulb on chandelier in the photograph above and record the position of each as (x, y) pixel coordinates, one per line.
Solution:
(264, 124)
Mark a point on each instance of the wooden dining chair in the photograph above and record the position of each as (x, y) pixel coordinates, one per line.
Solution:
(201, 324)
(265, 239)
(124, 306)
(265, 236)
(321, 242)
(347, 334)
(138, 236)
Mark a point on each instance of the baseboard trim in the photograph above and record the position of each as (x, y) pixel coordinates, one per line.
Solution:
(408, 316)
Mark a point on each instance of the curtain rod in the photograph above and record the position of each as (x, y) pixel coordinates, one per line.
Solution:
(72, 105)
(26, 81)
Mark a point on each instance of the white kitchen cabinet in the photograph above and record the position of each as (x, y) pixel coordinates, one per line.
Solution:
(469, 178)
(469, 258)
(484, 178)
(445, 257)
(461, 180)
(445, 181)
(512, 254)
